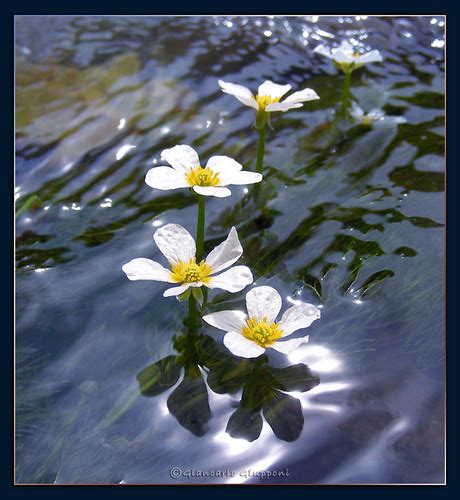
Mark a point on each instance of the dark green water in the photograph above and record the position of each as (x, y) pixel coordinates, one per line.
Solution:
(352, 221)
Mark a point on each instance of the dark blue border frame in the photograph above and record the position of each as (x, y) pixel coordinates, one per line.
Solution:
(7, 13)
(263, 7)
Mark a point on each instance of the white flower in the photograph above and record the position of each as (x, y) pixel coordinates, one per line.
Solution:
(186, 171)
(348, 57)
(249, 335)
(375, 117)
(268, 96)
(179, 247)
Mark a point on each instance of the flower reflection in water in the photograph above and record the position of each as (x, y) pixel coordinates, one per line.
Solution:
(264, 392)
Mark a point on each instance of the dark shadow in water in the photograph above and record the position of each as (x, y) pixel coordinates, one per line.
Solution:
(264, 389)
(266, 254)
(27, 255)
(188, 402)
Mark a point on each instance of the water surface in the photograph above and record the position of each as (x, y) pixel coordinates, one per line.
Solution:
(352, 221)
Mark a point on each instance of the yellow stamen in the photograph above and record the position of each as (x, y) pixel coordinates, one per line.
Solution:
(356, 54)
(191, 272)
(202, 177)
(262, 332)
(367, 120)
(264, 100)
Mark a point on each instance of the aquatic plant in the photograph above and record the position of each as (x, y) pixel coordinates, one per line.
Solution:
(347, 58)
(348, 216)
(267, 100)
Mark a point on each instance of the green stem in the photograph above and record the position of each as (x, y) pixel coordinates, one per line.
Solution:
(200, 229)
(200, 236)
(261, 150)
(346, 92)
(192, 313)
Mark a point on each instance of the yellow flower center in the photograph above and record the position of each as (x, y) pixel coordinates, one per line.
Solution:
(191, 272)
(356, 54)
(264, 100)
(202, 177)
(367, 120)
(262, 332)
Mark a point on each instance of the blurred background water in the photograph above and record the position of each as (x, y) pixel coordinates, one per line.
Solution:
(352, 221)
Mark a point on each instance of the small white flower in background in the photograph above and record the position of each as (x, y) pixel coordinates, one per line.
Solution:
(269, 95)
(179, 247)
(186, 171)
(268, 98)
(347, 57)
(250, 334)
(375, 117)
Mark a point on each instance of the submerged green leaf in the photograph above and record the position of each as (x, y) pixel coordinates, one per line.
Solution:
(158, 377)
(245, 424)
(189, 404)
(284, 415)
(294, 378)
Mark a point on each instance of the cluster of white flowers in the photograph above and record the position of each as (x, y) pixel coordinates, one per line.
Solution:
(248, 335)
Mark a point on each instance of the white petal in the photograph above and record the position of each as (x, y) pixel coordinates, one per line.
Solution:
(175, 243)
(241, 346)
(357, 112)
(370, 57)
(177, 290)
(240, 178)
(223, 164)
(243, 94)
(388, 122)
(230, 171)
(263, 301)
(323, 50)
(165, 178)
(302, 96)
(225, 254)
(344, 53)
(297, 317)
(181, 157)
(345, 46)
(376, 114)
(282, 106)
(227, 320)
(146, 269)
(196, 284)
(233, 280)
(273, 90)
(288, 346)
(343, 57)
(218, 192)
(345, 49)
(395, 120)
